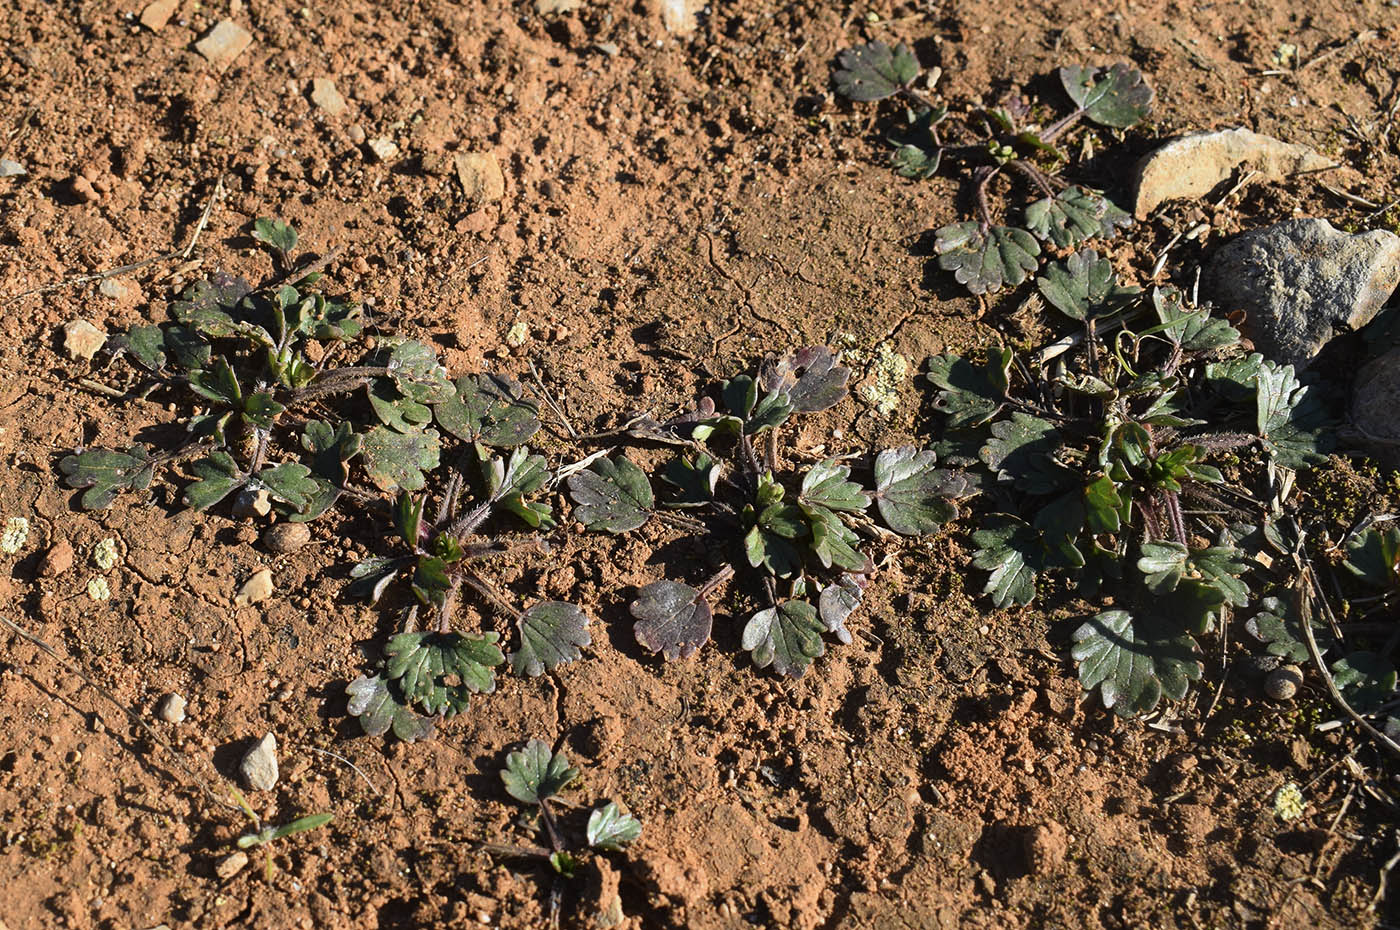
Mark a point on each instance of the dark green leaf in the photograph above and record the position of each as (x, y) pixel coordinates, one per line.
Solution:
(1374, 556)
(331, 448)
(1084, 287)
(609, 827)
(787, 637)
(380, 710)
(536, 773)
(970, 395)
(107, 472)
(1194, 329)
(1013, 553)
(522, 474)
(767, 542)
(394, 410)
(1117, 97)
(672, 618)
(915, 498)
(423, 662)
(261, 409)
(1021, 450)
(431, 580)
(875, 71)
(917, 155)
(275, 234)
(145, 344)
(1366, 680)
(372, 576)
(1292, 418)
(551, 633)
(1278, 626)
(696, 476)
(219, 476)
(213, 307)
(739, 396)
(416, 372)
(611, 494)
(397, 461)
(301, 825)
(1134, 663)
(809, 379)
(1074, 215)
(408, 518)
(834, 543)
(290, 482)
(826, 485)
(218, 384)
(985, 262)
(1103, 505)
(490, 409)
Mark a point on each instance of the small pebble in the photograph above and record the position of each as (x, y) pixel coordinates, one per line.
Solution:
(1283, 683)
(57, 560)
(259, 765)
(286, 537)
(231, 865)
(81, 339)
(224, 43)
(171, 708)
(157, 14)
(11, 169)
(250, 504)
(325, 96)
(255, 589)
(383, 148)
(356, 134)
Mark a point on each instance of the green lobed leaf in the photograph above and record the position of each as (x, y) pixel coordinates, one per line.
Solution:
(787, 637)
(874, 71)
(422, 662)
(395, 460)
(1192, 328)
(612, 495)
(1084, 287)
(1374, 556)
(672, 618)
(291, 482)
(1021, 451)
(611, 828)
(276, 234)
(1118, 97)
(416, 372)
(1278, 626)
(145, 344)
(915, 498)
(834, 543)
(551, 633)
(1367, 680)
(1012, 551)
(1134, 663)
(768, 541)
(825, 484)
(1075, 215)
(838, 601)
(105, 473)
(1291, 418)
(696, 476)
(214, 308)
(261, 409)
(218, 383)
(380, 710)
(218, 476)
(970, 395)
(490, 409)
(536, 773)
(985, 262)
(917, 155)
(394, 410)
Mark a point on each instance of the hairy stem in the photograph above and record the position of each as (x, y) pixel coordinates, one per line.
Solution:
(983, 176)
(1033, 174)
(483, 587)
(717, 579)
(1060, 126)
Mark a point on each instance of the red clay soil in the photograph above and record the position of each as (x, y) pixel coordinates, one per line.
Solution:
(674, 206)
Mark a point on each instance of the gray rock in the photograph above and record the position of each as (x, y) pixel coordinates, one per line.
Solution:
(1375, 400)
(171, 708)
(1301, 282)
(11, 169)
(1192, 166)
(259, 765)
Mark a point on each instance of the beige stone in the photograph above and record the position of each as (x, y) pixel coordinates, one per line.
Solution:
(82, 339)
(255, 589)
(224, 43)
(325, 96)
(157, 14)
(480, 176)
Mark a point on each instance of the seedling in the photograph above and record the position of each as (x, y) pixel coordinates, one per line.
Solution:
(794, 530)
(984, 255)
(438, 669)
(267, 411)
(263, 836)
(536, 775)
(1097, 465)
